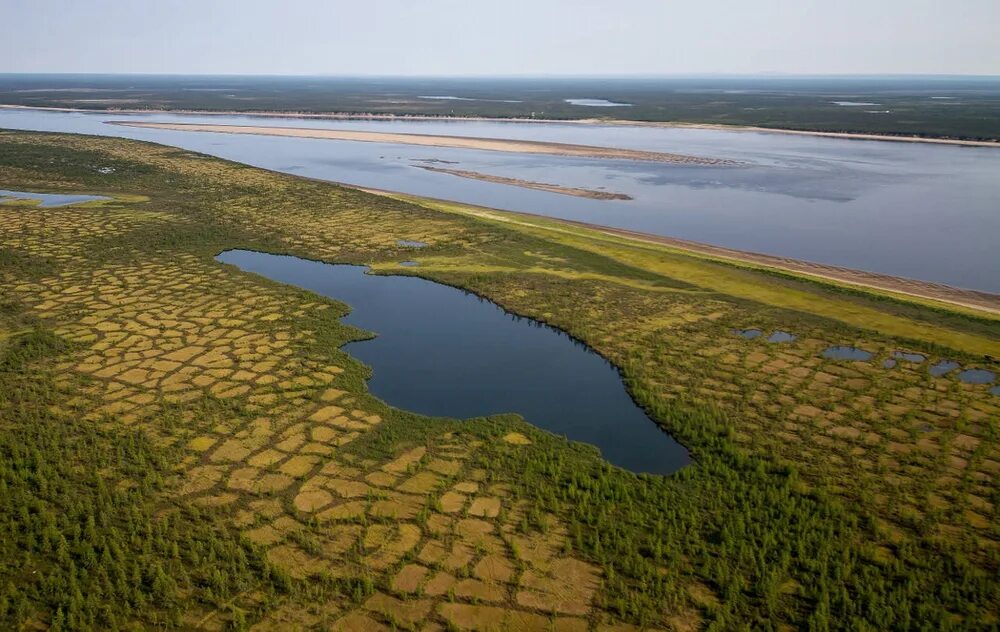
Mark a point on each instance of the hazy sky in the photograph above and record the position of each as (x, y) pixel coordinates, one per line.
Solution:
(462, 37)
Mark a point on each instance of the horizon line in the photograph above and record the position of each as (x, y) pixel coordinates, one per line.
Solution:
(689, 75)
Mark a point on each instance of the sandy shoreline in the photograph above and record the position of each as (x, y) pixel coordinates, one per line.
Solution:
(434, 140)
(360, 116)
(592, 194)
(970, 299)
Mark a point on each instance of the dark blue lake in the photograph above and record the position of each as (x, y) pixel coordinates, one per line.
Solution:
(441, 351)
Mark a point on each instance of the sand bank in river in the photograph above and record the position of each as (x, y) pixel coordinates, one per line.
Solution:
(593, 194)
(363, 116)
(433, 140)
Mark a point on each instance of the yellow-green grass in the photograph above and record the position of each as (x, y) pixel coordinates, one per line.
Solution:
(741, 280)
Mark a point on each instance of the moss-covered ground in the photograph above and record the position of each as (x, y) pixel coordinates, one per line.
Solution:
(184, 445)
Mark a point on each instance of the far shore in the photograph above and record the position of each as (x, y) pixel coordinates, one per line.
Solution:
(362, 116)
(434, 140)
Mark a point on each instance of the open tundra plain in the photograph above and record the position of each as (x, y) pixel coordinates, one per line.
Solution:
(185, 444)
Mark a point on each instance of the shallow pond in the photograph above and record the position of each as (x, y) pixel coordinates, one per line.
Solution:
(444, 352)
(909, 357)
(749, 334)
(597, 103)
(847, 353)
(781, 336)
(48, 200)
(409, 243)
(943, 367)
(977, 376)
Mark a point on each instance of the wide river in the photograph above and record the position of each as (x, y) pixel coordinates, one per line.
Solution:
(929, 212)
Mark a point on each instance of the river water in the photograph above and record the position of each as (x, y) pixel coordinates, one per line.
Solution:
(930, 212)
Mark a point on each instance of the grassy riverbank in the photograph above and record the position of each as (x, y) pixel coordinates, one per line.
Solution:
(185, 443)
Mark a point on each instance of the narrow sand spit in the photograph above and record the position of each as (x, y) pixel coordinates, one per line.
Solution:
(528, 184)
(431, 140)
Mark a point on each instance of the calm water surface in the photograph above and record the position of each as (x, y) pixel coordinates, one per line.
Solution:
(916, 210)
(444, 352)
(48, 200)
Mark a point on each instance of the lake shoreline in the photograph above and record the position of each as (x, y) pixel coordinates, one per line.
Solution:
(360, 116)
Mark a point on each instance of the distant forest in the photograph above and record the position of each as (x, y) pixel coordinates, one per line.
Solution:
(931, 106)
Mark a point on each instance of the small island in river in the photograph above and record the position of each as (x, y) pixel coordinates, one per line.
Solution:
(592, 194)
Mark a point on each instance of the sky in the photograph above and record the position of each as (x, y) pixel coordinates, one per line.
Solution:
(501, 37)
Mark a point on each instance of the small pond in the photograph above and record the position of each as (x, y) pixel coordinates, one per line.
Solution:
(995, 390)
(597, 103)
(847, 353)
(409, 243)
(977, 376)
(943, 367)
(444, 352)
(48, 200)
(909, 357)
(781, 336)
(749, 334)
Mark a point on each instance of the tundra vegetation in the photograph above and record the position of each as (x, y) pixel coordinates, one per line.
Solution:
(184, 445)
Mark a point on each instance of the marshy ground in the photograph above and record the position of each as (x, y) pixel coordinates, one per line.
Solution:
(183, 443)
